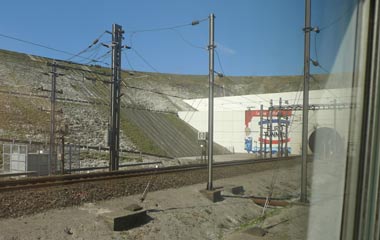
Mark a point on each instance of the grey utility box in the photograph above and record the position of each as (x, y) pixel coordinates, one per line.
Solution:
(38, 163)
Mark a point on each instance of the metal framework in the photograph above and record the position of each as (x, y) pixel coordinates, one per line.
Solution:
(326, 106)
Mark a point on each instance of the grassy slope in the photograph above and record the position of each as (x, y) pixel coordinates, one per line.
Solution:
(139, 138)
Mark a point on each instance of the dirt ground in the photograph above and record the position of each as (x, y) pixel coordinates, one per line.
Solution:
(182, 213)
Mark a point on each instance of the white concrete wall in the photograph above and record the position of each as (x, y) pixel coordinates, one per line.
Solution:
(229, 116)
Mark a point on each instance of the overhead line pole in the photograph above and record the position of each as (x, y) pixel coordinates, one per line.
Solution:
(271, 128)
(305, 110)
(278, 131)
(261, 130)
(211, 102)
(52, 156)
(114, 142)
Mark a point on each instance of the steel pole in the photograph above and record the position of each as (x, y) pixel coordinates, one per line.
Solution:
(305, 109)
(63, 155)
(286, 135)
(261, 130)
(270, 128)
(266, 135)
(211, 101)
(115, 97)
(52, 117)
(279, 130)
(336, 131)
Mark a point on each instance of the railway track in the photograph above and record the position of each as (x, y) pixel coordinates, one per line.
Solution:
(61, 180)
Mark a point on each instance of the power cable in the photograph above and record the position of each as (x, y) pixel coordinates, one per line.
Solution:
(42, 46)
(172, 28)
(128, 61)
(219, 62)
(224, 75)
(316, 81)
(81, 101)
(144, 60)
(316, 62)
(338, 19)
(187, 41)
(167, 28)
(94, 53)
(156, 92)
(155, 70)
(100, 58)
(193, 112)
(96, 41)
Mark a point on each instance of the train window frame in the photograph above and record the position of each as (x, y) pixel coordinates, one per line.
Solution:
(361, 201)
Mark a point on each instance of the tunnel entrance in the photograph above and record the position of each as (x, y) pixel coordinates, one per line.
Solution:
(326, 143)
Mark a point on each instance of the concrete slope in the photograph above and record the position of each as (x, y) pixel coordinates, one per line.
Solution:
(169, 133)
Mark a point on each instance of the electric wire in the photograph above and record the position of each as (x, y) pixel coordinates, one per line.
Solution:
(80, 101)
(187, 41)
(94, 53)
(317, 63)
(41, 46)
(100, 58)
(224, 76)
(144, 60)
(155, 70)
(317, 82)
(193, 112)
(96, 41)
(128, 61)
(155, 92)
(167, 28)
(339, 18)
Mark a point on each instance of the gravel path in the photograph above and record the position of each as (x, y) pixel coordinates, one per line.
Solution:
(26, 202)
(178, 213)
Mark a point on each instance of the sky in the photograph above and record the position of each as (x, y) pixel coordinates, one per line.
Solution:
(253, 37)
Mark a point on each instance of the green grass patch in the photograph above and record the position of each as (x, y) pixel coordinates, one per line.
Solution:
(259, 220)
(181, 126)
(138, 137)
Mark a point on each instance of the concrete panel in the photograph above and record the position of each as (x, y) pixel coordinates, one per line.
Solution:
(229, 126)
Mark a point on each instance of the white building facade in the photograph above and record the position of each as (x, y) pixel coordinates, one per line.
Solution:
(237, 119)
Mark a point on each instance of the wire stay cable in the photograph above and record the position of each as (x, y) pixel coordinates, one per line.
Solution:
(168, 28)
(96, 41)
(42, 46)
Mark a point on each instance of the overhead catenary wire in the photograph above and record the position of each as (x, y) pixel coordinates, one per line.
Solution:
(93, 54)
(144, 60)
(316, 62)
(96, 41)
(170, 28)
(156, 71)
(128, 61)
(100, 58)
(329, 25)
(155, 92)
(339, 18)
(195, 22)
(80, 101)
(100, 79)
(66, 66)
(224, 75)
(41, 46)
(187, 41)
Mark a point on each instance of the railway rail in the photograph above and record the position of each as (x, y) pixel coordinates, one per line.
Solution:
(48, 181)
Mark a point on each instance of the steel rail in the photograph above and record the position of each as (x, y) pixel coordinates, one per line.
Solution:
(39, 182)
